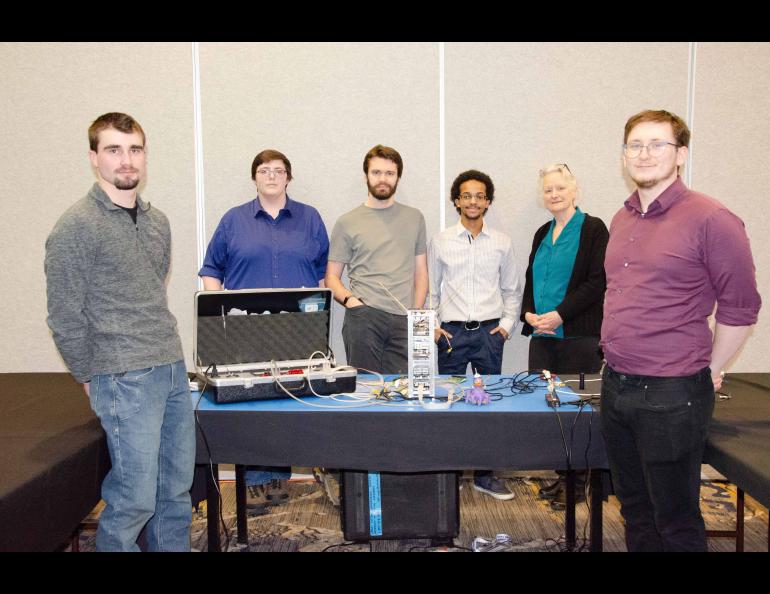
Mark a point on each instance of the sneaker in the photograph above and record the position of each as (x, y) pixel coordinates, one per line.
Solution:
(256, 500)
(493, 486)
(276, 492)
(330, 483)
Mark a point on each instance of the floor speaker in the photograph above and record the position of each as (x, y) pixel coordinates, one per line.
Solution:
(391, 505)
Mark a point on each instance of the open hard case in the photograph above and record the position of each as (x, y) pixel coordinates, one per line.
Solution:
(249, 343)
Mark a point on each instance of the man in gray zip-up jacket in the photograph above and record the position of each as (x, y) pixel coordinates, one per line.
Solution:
(106, 264)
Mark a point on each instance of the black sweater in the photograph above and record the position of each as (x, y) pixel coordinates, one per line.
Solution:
(582, 308)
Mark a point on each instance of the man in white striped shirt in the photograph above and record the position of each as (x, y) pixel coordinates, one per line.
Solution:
(475, 287)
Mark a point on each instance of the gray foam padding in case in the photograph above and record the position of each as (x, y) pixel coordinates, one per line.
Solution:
(259, 338)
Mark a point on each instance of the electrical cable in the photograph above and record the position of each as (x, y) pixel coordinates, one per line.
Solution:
(516, 385)
(586, 487)
(581, 403)
(452, 546)
(342, 544)
(211, 462)
(563, 439)
(277, 381)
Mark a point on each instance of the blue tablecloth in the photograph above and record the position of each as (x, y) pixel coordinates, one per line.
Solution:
(517, 431)
(504, 400)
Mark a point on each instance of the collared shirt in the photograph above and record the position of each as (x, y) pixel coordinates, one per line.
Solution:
(552, 267)
(474, 279)
(665, 270)
(252, 250)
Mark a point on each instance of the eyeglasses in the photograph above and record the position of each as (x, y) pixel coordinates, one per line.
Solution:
(556, 167)
(468, 197)
(277, 172)
(378, 173)
(654, 149)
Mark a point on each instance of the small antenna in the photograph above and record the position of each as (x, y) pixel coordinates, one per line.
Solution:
(446, 302)
(393, 297)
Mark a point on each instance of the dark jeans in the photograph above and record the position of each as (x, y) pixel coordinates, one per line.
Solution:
(655, 430)
(376, 340)
(484, 351)
(568, 355)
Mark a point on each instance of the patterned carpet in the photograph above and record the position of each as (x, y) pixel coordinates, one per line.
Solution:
(309, 522)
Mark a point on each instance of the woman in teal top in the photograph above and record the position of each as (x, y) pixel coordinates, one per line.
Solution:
(564, 293)
(553, 265)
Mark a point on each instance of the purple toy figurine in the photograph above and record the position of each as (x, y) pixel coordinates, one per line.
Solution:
(477, 394)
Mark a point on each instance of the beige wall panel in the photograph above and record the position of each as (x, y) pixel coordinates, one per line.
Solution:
(730, 144)
(324, 106)
(51, 93)
(512, 108)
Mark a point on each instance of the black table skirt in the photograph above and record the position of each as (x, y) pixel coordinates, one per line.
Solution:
(401, 442)
(53, 457)
(739, 437)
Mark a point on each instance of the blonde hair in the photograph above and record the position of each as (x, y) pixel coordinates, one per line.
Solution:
(566, 175)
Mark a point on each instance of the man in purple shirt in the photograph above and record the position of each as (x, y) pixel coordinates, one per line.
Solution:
(673, 253)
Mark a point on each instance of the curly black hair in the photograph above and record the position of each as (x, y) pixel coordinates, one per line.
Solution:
(471, 174)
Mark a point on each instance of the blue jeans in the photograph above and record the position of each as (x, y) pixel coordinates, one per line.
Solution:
(655, 431)
(484, 351)
(261, 475)
(148, 418)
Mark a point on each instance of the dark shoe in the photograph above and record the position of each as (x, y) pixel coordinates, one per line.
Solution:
(493, 486)
(550, 491)
(559, 502)
(276, 492)
(256, 500)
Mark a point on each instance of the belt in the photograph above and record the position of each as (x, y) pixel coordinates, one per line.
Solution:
(638, 379)
(475, 324)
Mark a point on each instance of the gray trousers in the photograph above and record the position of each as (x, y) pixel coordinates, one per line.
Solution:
(376, 340)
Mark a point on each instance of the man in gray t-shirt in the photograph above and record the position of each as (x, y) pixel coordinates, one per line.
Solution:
(383, 243)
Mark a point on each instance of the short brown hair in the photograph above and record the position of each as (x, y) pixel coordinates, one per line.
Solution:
(120, 121)
(270, 155)
(384, 152)
(679, 128)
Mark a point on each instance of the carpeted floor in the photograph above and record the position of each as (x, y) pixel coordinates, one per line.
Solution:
(309, 522)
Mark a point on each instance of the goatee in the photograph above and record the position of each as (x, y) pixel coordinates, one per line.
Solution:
(126, 184)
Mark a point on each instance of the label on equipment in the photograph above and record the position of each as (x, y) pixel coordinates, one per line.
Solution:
(375, 505)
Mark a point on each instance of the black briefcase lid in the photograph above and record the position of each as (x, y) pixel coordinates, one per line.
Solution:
(258, 326)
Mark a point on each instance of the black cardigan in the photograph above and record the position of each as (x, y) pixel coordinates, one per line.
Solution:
(582, 308)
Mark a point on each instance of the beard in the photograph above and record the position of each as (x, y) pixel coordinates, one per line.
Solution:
(382, 194)
(126, 184)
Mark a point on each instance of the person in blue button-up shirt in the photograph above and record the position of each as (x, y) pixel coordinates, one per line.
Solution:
(271, 241)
